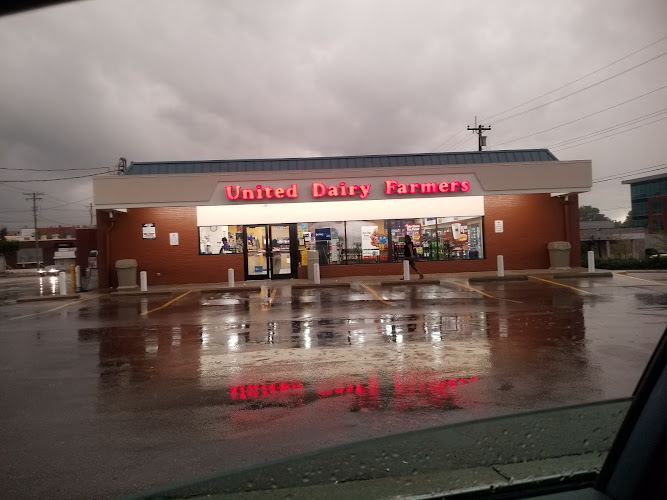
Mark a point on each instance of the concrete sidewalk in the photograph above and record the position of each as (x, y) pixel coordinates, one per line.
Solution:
(347, 281)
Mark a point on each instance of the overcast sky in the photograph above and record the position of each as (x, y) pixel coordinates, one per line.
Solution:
(85, 83)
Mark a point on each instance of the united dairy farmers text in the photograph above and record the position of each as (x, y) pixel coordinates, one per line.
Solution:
(343, 190)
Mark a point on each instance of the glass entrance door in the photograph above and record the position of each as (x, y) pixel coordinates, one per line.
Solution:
(271, 251)
(281, 251)
(256, 252)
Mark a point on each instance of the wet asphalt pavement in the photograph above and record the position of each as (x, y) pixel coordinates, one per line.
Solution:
(113, 395)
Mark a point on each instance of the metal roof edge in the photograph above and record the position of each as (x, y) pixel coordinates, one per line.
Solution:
(342, 157)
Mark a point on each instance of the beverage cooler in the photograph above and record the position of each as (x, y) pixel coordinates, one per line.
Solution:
(327, 245)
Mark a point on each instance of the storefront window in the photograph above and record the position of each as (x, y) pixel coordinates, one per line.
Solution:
(367, 241)
(327, 238)
(441, 238)
(220, 239)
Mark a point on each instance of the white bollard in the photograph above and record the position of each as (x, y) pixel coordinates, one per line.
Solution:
(77, 273)
(143, 281)
(230, 276)
(406, 270)
(316, 274)
(501, 266)
(62, 282)
(591, 261)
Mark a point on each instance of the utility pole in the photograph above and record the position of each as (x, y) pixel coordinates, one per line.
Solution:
(90, 208)
(35, 197)
(478, 129)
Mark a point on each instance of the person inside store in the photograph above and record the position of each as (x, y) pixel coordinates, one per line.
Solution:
(276, 258)
(225, 245)
(411, 255)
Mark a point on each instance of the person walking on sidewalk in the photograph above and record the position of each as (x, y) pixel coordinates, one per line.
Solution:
(411, 255)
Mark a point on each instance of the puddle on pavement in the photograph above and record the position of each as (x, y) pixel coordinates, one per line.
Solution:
(206, 363)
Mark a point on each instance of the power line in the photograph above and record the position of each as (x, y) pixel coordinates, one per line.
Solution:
(610, 135)
(577, 80)
(56, 169)
(644, 170)
(578, 91)
(583, 117)
(71, 203)
(612, 127)
(447, 140)
(460, 143)
(58, 179)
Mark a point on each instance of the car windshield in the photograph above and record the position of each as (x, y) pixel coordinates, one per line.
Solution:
(415, 246)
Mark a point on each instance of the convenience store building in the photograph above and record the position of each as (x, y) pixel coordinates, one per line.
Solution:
(188, 222)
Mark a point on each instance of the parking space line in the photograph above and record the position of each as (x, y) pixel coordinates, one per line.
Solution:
(55, 308)
(468, 287)
(561, 284)
(644, 279)
(472, 289)
(166, 304)
(375, 294)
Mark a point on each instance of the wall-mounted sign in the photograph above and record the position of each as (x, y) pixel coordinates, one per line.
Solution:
(173, 239)
(302, 191)
(148, 230)
(499, 226)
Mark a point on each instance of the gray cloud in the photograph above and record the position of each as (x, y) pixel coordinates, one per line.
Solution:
(87, 82)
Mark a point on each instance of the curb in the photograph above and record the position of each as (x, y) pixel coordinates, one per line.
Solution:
(232, 289)
(301, 286)
(488, 279)
(409, 282)
(603, 274)
(45, 298)
(131, 294)
(643, 271)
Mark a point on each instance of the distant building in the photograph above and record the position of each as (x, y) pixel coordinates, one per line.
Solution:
(649, 197)
(57, 245)
(608, 241)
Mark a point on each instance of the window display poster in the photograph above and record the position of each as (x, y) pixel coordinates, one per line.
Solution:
(173, 239)
(148, 231)
(335, 253)
(370, 246)
(322, 234)
(414, 231)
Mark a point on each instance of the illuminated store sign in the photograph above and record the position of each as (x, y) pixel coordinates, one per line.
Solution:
(340, 190)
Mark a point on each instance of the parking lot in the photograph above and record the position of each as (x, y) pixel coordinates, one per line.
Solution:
(113, 394)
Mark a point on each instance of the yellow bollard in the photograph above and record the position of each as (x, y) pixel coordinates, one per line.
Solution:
(72, 273)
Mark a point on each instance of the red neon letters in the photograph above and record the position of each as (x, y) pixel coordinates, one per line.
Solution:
(343, 190)
(260, 192)
(334, 190)
(392, 187)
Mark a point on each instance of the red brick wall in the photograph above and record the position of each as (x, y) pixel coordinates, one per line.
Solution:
(531, 221)
(165, 264)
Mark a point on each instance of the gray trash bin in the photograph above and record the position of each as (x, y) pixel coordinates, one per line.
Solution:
(127, 273)
(313, 257)
(559, 254)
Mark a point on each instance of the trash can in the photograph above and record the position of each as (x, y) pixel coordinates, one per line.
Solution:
(559, 254)
(313, 258)
(127, 273)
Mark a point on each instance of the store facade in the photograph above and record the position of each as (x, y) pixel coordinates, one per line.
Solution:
(191, 221)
